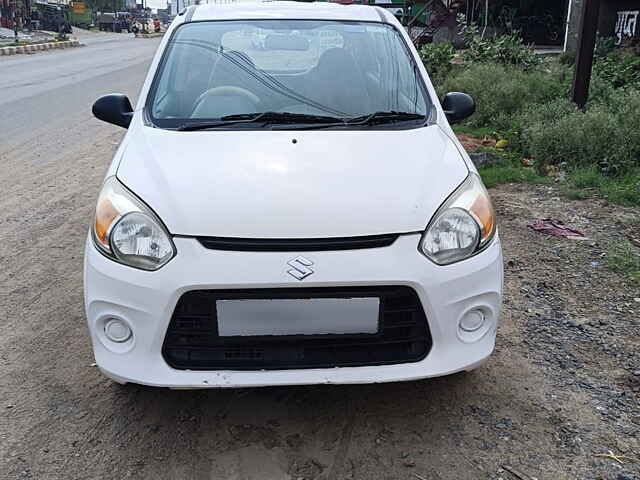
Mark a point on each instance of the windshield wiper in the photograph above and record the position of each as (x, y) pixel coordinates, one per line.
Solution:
(385, 117)
(376, 118)
(304, 120)
(266, 117)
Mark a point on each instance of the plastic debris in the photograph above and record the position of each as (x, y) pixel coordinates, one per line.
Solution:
(556, 228)
(618, 458)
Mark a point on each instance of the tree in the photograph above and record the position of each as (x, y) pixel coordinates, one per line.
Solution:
(105, 5)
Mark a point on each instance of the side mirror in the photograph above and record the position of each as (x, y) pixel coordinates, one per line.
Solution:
(458, 106)
(114, 108)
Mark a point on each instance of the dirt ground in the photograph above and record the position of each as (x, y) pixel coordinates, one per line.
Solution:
(560, 392)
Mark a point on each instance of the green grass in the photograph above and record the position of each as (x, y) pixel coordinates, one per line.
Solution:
(586, 178)
(630, 220)
(574, 193)
(624, 258)
(492, 176)
(621, 190)
(581, 184)
(624, 190)
(479, 132)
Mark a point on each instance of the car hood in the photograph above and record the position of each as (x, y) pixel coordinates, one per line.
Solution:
(292, 184)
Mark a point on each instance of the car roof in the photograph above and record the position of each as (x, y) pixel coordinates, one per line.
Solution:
(267, 10)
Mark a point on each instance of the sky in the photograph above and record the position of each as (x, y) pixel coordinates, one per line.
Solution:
(156, 3)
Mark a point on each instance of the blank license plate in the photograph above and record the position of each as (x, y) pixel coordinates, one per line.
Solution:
(313, 316)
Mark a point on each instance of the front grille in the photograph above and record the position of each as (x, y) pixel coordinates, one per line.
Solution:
(296, 244)
(192, 341)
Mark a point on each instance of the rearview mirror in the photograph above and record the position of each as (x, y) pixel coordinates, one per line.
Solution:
(457, 106)
(286, 42)
(114, 108)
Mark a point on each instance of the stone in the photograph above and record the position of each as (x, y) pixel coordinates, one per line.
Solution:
(626, 476)
(484, 159)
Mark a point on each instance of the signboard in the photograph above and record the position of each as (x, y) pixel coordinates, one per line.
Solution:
(627, 25)
(79, 7)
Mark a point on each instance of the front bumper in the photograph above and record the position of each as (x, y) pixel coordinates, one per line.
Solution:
(146, 300)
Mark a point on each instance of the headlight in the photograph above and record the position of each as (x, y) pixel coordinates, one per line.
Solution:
(127, 231)
(463, 226)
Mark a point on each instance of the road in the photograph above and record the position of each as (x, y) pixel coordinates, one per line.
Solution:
(43, 95)
(552, 398)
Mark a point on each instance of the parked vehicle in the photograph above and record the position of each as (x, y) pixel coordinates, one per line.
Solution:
(106, 21)
(114, 22)
(296, 213)
(142, 25)
(51, 17)
(80, 14)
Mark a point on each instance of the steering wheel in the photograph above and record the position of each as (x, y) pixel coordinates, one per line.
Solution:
(226, 91)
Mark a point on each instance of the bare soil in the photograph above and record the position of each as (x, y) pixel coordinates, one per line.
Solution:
(560, 392)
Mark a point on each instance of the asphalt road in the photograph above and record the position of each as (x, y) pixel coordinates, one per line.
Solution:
(524, 412)
(46, 97)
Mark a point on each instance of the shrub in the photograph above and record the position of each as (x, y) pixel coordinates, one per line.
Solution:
(502, 92)
(536, 114)
(577, 139)
(601, 91)
(599, 148)
(619, 69)
(567, 58)
(626, 106)
(437, 58)
(506, 49)
(604, 47)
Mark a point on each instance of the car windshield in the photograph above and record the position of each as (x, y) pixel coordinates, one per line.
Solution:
(266, 72)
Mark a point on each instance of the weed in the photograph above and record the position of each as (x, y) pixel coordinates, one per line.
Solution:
(497, 174)
(501, 92)
(623, 190)
(574, 194)
(623, 257)
(479, 132)
(586, 178)
(437, 58)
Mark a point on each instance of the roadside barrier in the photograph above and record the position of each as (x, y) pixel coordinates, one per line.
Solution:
(149, 35)
(37, 47)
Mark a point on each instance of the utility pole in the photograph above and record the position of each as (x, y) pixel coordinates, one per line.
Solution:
(584, 55)
(15, 21)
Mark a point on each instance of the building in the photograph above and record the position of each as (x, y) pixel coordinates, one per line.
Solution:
(618, 18)
(553, 23)
(11, 11)
(179, 5)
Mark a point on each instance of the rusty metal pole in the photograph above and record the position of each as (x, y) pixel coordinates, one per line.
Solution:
(584, 55)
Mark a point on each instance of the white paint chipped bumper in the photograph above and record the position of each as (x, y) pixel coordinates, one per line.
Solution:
(145, 300)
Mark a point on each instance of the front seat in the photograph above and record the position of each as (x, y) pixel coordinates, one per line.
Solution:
(339, 83)
(231, 88)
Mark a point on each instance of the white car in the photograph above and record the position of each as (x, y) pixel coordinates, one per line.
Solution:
(288, 206)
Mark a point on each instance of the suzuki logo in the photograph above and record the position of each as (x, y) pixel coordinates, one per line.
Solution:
(300, 267)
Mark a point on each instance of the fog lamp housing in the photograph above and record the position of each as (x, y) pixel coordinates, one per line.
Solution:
(117, 331)
(475, 323)
(472, 321)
